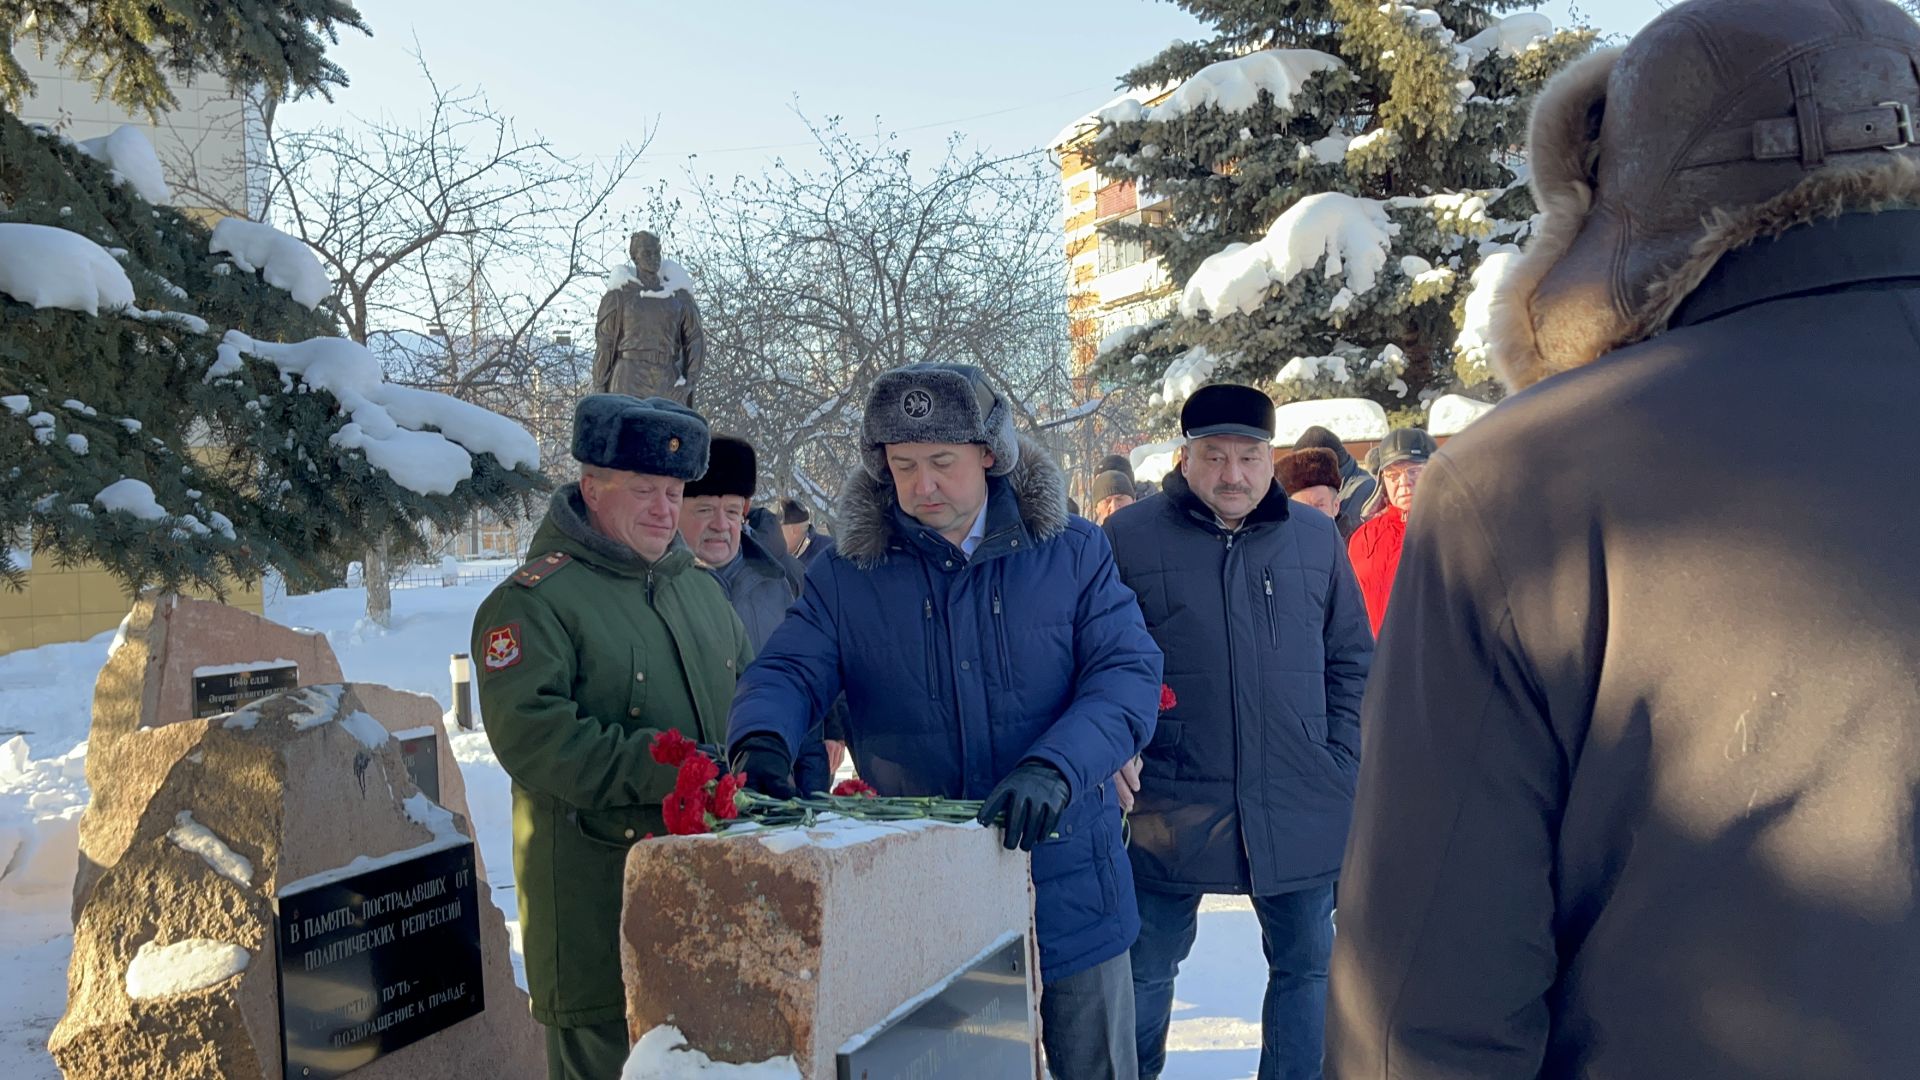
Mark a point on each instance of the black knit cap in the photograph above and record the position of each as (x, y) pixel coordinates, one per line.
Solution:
(732, 469)
(794, 512)
(1115, 463)
(1227, 409)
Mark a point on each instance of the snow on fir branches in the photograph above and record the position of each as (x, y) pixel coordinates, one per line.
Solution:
(1323, 181)
(186, 415)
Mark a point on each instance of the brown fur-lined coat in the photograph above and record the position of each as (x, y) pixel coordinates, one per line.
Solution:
(1642, 744)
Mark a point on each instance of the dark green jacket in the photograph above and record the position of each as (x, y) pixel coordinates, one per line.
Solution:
(581, 662)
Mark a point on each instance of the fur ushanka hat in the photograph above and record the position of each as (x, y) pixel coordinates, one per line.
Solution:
(1315, 466)
(732, 469)
(652, 435)
(1722, 123)
(938, 403)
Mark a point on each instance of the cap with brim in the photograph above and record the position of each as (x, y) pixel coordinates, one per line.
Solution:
(1227, 409)
(1405, 445)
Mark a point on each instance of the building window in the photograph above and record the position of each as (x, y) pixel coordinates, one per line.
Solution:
(1118, 254)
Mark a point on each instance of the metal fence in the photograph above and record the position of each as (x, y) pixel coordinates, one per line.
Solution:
(433, 577)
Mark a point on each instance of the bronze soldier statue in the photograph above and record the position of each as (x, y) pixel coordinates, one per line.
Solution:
(647, 339)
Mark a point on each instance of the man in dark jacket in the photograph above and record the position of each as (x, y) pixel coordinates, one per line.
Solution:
(1639, 789)
(804, 542)
(606, 639)
(760, 579)
(1357, 485)
(1248, 783)
(988, 651)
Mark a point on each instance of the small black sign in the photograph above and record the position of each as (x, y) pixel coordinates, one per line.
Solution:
(421, 753)
(977, 1027)
(377, 961)
(216, 694)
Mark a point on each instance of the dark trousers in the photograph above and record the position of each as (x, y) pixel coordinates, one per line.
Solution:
(594, 1052)
(1296, 930)
(1086, 1023)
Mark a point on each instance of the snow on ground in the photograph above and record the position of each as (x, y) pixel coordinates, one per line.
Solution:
(285, 262)
(46, 701)
(52, 267)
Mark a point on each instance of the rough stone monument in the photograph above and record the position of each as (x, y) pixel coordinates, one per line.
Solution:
(285, 889)
(175, 659)
(908, 942)
(647, 336)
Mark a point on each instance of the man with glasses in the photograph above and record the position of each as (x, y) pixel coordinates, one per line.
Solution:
(1375, 546)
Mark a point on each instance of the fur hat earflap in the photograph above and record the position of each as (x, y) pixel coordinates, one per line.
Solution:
(1316, 466)
(652, 435)
(938, 403)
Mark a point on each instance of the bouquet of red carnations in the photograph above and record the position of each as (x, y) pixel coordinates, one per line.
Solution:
(707, 800)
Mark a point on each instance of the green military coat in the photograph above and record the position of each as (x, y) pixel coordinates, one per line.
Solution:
(582, 657)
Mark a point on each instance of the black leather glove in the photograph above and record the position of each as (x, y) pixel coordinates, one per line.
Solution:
(763, 760)
(1033, 796)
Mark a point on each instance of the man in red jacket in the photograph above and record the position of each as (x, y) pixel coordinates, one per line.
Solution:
(1375, 546)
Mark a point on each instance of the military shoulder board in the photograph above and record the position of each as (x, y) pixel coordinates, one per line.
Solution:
(540, 569)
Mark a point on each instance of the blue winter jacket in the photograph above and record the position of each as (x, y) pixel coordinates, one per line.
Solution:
(957, 669)
(1248, 783)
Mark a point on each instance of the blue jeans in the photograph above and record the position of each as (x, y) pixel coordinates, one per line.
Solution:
(1296, 929)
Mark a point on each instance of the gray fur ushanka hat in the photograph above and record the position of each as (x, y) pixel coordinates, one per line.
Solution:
(937, 403)
(652, 435)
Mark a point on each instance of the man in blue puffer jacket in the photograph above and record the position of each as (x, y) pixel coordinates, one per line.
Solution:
(988, 650)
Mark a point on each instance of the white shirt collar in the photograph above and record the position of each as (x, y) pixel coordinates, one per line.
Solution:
(975, 534)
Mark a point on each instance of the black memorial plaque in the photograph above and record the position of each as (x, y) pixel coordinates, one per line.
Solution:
(377, 961)
(975, 1028)
(216, 694)
(421, 753)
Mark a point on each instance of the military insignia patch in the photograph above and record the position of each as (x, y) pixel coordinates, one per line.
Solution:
(503, 647)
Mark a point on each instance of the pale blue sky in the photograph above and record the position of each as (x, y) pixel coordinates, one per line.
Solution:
(722, 76)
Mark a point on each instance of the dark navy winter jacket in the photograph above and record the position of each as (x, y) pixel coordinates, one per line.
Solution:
(957, 669)
(1248, 783)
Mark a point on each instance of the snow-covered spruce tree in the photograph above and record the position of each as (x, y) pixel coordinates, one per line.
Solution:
(1333, 173)
(185, 416)
(133, 46)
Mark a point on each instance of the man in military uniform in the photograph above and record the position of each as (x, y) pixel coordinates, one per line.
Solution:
(608, 637)
(647, 339)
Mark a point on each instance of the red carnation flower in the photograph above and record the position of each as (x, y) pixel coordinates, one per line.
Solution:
(685, 813)
(671, 748)
(852, 786)
(723, 806)
(1167, 700)
(696, 772)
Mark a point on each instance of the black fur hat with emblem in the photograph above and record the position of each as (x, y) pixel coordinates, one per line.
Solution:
(640, 435)
(938, 403)
(732, 469)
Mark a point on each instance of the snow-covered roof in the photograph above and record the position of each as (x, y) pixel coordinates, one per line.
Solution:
(1449, 414)
(1353, 234)
(1353, 419)
(50, 267)
(1154, 461)
(1092, 119)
